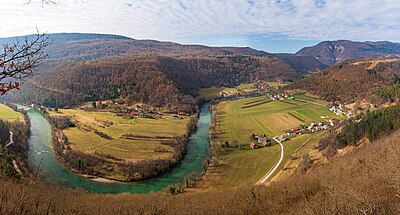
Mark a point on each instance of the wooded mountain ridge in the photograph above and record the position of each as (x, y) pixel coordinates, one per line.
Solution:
(353, 80)
(335, 52)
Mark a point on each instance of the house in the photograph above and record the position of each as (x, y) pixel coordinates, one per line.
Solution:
(311, 126)
(252, 145)
(281, 138)
(139, 108)
(262, 139)
(265, 143)
(334, 122)
(134, 113)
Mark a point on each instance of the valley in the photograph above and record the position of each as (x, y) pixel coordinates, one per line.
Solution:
(242, 137)
(186, 124)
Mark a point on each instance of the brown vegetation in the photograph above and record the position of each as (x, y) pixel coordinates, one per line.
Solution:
(350, 82)
(363, 182)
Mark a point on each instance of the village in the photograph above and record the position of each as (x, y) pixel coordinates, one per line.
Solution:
(281, 96)
(146, 112)
(262, 140)
(341, 110)
(123, 110)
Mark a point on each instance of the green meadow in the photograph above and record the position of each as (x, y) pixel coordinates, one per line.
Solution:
(8, 114)
(238, 120)
(147, 133)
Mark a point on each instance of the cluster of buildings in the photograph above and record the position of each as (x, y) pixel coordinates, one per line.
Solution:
(258, 88)
(142, 111)
(260, 139)
(261, 87)
(281, 96)
(341, 110)
(229, 94)
(313, 127)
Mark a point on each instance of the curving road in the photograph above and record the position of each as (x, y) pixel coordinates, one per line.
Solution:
(271, 171)
(14, 162)
(11, 139)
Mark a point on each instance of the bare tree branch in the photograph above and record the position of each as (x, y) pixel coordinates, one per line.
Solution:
(19, 59)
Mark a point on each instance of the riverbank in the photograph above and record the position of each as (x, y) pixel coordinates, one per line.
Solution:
(104, 138)
(54, 172)
(14, 152)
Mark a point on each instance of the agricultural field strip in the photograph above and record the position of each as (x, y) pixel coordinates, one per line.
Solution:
(239, 116)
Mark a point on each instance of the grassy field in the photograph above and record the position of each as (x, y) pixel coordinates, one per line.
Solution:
(214, 91)
(147, 133)
(237, 120)
(241, 167)
(9, 114)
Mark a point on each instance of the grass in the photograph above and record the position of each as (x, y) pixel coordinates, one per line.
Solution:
(148, 134)
(277, 84)
(8, 114)
(214, 91)
(271, 118)
(241, 167)
(210, 92)
(236, 124)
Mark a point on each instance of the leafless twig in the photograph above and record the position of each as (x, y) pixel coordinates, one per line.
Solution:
(19, 59)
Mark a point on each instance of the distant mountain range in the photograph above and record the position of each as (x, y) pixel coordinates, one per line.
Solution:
(78, 46)
(334, 52)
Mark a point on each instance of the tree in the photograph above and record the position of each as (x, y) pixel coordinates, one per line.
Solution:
(19, 59)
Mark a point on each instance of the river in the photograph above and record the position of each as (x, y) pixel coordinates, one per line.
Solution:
(41, 155)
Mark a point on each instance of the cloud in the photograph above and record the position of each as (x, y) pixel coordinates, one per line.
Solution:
(180, 20)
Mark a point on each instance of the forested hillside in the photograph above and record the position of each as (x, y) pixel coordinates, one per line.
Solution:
(352, 80)
(304, 64)
(171, 82)
(87, 67)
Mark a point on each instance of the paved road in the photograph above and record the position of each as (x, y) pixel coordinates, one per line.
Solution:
(14, 162)
(11, 139)
(270, 172)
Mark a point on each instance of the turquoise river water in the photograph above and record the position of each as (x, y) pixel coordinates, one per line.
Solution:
(41, 156)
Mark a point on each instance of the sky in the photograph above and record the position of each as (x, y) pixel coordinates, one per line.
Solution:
(276, 26)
